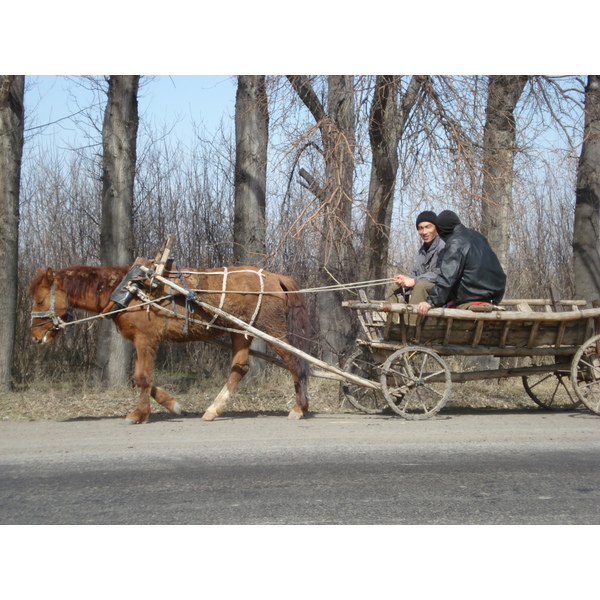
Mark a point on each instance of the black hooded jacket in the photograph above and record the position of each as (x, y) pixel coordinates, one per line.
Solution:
(470, 270)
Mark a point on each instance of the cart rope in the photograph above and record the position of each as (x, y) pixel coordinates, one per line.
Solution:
(325, 288)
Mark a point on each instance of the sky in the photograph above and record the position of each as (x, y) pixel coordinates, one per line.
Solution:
(179, 100)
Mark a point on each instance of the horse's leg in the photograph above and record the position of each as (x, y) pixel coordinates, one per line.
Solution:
(240, 347)
(166, 400)
(144, 367)
(142, 375)
(300, 376)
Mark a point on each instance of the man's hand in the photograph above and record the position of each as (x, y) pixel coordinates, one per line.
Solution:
(423, 308)
(404, 281)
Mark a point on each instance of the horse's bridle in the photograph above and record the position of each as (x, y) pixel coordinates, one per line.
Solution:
(57, 321)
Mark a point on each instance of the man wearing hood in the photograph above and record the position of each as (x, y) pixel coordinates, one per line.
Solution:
(470, 270)
(427, 264)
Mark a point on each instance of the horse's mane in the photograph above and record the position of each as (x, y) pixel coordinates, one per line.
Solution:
(81, 280)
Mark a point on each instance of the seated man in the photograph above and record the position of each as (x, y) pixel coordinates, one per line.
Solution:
(427, 265)
(470, 270)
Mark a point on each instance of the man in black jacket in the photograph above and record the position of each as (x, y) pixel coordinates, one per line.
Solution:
(470, 270)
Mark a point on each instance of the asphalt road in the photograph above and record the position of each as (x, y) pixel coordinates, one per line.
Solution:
(478, 468)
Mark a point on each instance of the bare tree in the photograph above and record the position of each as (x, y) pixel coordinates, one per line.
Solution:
(586, 229)
(251, 140)
(119, 138)
(11, 151)
(500, 146)
(336, 126)
(387, 122)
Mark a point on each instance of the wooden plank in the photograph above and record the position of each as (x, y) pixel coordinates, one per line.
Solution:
(533, 334)
(372, 330)
(555, 297)
(163, 255)
(477, 335)
(560, 334)
(448, 332)
(458, 314)
(540, 302)
(419, 327)
(504, 335)
(462, 350)
(461, 377)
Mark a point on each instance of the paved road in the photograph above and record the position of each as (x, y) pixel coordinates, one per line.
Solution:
(477, 468)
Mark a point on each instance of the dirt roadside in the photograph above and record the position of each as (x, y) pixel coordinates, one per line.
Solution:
(237, 431)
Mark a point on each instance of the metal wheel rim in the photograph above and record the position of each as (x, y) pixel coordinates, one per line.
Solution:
(413, 384)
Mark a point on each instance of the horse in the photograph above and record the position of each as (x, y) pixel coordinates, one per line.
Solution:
(270, 302)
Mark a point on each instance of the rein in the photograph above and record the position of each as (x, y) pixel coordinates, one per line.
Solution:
(59, 323)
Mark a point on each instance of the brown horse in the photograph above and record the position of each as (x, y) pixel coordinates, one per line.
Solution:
(268, 301)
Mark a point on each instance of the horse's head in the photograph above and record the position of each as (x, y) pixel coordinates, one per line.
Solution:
(50, 307)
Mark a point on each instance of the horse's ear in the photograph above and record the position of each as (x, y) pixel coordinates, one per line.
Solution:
(49, 274)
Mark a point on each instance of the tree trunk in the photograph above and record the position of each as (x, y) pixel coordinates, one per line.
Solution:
(119, 137)
(336, 257)
(249, 219)
(586, 251)
(11, 151)
(499, 148)
(251, 140)
(387, 122)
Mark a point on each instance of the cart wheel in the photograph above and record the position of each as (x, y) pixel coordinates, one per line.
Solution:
(552, 391)
(585, 374)
(362, 398)
(416, 382)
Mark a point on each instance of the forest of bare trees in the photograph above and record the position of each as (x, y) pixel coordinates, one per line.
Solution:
(338, 168)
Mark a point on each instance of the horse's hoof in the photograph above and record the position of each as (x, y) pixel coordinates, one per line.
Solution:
(208, 416)
(133, 420)
(295, 415)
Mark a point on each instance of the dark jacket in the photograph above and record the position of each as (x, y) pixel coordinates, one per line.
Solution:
(470, 270)
(428, 263)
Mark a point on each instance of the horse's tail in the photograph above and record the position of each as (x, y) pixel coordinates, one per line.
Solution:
(297, 323)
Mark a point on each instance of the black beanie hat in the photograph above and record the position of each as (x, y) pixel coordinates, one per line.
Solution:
(446, 222)
(428, 216)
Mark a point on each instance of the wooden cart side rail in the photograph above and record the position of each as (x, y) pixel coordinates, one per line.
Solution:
(552, 303)
(468, 350)
(455, 313)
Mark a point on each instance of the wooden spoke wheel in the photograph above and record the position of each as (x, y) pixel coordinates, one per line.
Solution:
(552, 390)
(585, 374)
(415, 382)
(362, 398)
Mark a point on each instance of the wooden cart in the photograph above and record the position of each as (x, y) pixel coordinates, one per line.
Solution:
(401, 359)
(556, 343)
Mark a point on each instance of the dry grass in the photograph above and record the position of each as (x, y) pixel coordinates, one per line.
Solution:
(272, 392)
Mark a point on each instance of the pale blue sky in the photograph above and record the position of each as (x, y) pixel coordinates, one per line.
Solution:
(182, 100)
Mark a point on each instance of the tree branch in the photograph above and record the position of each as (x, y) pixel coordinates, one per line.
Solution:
(304, 89)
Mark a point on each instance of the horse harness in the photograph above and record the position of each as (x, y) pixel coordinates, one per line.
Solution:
(135, 279)
(57, 321)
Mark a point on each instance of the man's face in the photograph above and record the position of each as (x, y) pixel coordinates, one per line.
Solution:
(427, 231)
